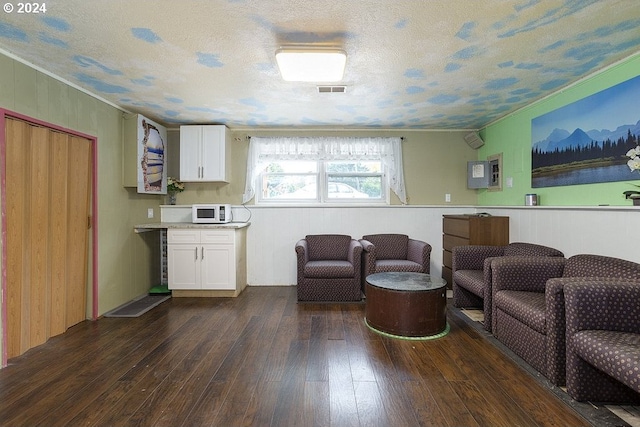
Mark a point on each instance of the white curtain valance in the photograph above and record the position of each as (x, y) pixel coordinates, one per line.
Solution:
(263, 151)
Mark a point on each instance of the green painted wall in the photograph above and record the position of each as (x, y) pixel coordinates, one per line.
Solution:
(511, 136)
(127, 262)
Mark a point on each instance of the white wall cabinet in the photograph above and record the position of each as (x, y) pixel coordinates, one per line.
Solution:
(144, 155)
(206, 259)
(204, 153)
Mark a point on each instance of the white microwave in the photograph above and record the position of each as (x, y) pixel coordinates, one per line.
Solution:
(210, 214)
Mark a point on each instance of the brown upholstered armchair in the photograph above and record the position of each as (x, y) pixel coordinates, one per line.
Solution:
(529, 304)
(603, 340)
(393, 252)
(471, 267)
(329, 268)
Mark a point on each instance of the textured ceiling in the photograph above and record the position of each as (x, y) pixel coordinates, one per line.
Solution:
(432, 64)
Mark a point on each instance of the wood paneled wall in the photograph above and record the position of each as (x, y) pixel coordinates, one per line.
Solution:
(275, 230)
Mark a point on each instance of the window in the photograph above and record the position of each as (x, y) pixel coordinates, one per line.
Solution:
(324, 170)
(289, 180)
(323, 181)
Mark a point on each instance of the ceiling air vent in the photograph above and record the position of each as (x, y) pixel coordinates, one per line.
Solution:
(332, 89)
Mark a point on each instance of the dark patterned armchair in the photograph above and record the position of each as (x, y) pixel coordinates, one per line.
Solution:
(393, 252)
(471, 267)
(529, 305)
(329, 268)
(603, 340)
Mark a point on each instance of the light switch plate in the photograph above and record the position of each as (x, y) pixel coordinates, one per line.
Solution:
(150, 213)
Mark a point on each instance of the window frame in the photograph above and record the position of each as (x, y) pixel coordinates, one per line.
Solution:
(265, 150)
(322, 186)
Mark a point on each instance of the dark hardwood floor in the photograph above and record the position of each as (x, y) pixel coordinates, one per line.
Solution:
(262, 359)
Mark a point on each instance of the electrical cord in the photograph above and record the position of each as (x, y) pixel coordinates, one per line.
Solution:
(248, 210)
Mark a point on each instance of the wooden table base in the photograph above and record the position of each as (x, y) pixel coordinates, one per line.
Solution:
(406, 313)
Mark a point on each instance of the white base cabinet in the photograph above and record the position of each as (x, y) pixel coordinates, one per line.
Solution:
(206, 259)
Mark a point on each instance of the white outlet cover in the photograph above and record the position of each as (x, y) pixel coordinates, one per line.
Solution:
(150, 213)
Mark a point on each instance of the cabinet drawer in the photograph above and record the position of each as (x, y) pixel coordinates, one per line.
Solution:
(457, 227)
(448, 242)
(182, 236)
(217, 236)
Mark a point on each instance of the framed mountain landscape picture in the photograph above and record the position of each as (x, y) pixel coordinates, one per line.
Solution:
(587, 141)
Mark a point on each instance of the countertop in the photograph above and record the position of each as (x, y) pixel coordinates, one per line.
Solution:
(141, 228)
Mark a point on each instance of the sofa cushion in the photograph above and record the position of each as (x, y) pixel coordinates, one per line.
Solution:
(329, 269)
(328, 246)
(387, 265)
(471, 280)
(615, 353)
(389, 246)
(527, 307)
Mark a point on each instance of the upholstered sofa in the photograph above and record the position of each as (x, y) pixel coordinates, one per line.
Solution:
(329, 268)
(528, 304)
(471, 267)
(603, 340)
(393, 252)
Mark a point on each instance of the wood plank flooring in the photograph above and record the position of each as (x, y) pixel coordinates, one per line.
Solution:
(262, 359)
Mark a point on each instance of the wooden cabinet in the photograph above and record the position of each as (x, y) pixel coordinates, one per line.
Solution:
(206, 259)
(459, 230)
(204, 153)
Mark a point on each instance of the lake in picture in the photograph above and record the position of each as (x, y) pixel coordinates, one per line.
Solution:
(586, 176)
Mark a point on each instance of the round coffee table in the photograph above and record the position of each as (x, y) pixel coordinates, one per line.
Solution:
(406, 305)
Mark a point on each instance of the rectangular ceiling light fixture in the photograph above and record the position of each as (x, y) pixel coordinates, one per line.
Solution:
(311, 64)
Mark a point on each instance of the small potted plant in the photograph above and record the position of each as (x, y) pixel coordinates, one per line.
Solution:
(174, 187)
